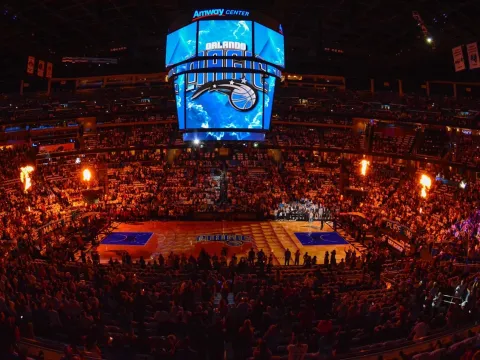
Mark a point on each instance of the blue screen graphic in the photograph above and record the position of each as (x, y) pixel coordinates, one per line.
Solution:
(224, 34)
(268, 101)
(181, 44)
(179, 85)
(225, 88)
(226, 100)
(223, 136)
(274, 71)
(269, 45)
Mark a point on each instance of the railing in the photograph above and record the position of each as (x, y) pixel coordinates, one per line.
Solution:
(418, 346)
(51, 350)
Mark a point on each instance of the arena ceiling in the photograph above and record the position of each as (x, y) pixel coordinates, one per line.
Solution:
(374, 35)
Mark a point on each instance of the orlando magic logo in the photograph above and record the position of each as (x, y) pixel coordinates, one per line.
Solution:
(233, 74)
(228, 239)
(241, 95)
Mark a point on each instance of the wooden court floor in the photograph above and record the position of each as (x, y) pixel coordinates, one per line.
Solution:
(181, 237)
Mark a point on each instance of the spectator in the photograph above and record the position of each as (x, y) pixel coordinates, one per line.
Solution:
(297, 348)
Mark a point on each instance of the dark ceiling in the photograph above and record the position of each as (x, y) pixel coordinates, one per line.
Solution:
(376, 37)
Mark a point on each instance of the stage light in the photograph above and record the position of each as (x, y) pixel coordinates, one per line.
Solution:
(25, 177)
(196, 142)
(463, 184)
(429, 40)
(87, 175)
(364, 165)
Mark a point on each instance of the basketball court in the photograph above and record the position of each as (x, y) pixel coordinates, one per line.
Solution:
(151, 238)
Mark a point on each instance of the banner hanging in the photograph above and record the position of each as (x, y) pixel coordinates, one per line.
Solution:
(41, 68)
(458, 59)
(472, 53)
(49, 71)
(30, 65)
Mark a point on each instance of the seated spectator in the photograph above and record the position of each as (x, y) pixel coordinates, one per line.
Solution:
(297, 348)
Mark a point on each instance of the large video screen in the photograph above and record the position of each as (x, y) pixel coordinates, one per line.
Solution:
(268, 101)
(227, 100)
(179, 86)
(223, 35)
(224, 74)
(269, 45)
(181, 44)
(223, 136)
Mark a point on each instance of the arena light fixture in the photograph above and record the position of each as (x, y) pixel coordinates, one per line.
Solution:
(196, 142)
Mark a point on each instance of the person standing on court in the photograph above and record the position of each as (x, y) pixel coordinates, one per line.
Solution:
(297, 257)
(333, 260)
(305, 258)
(261, 256)
(321, 216)
(251, 257)
(326, 259)
(288, 256)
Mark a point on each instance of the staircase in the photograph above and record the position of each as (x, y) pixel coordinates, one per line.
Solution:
(362, 141)
(223, 184)
(283, 237)
(419, 137)
(176, 139)
(369, 138)
(447, 156)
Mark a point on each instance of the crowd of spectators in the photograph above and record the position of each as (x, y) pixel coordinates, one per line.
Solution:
(342, 139)
(258, 190)
(297, 136)
(175, 307)
(466, 149)
(11, 159)
(302, 210)
(137, 136)
(434, 143)
(202, 181)
(388, 144)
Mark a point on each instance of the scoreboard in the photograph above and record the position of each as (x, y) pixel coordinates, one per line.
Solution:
(224, 66)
